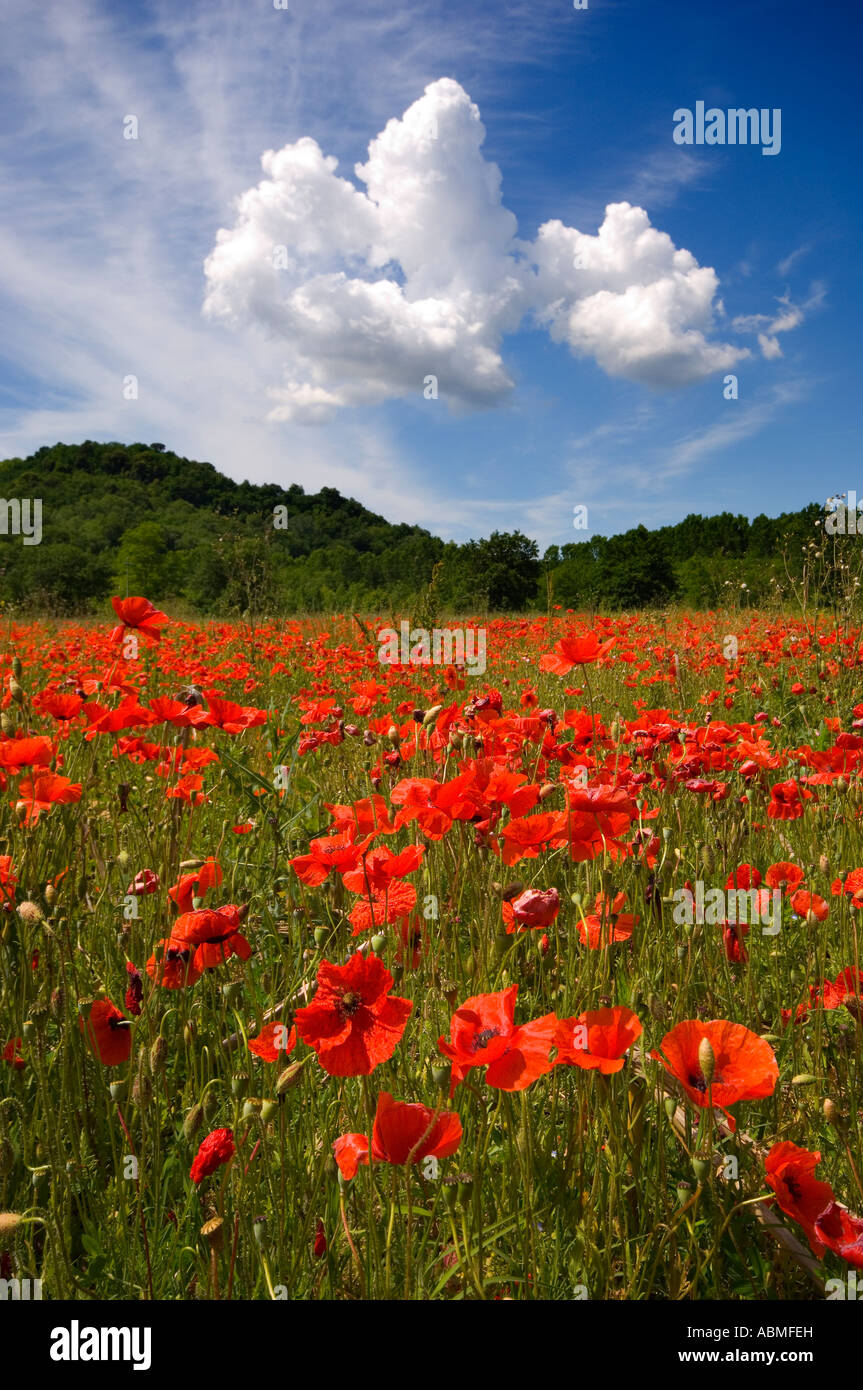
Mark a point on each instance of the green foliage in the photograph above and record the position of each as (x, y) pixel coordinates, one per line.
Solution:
(139, 519)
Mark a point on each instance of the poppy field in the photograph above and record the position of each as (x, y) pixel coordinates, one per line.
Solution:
(329, 978)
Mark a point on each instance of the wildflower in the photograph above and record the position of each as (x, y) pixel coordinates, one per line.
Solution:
(352, 1023)
(216, 1149)
(401, 1134)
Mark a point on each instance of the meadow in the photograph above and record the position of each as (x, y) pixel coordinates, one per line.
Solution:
(328, 978)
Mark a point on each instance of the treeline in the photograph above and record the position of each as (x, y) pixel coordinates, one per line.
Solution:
(139, 519)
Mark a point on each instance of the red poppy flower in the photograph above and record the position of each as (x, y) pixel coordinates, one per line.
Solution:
(138, 613)
(785, 803)
(352, 1023)
(8, 882)
(744, 1067)
(135, 990)
(143, 883)
(173, 964)
(195, 885)
(216, 1149)
(842, 1233)
(532, 908)
(216, 934)
(401, 1134)
(107, 1032)
(44, 791)
(16, 753)
(744, 876)
(273, 1042)
(12, 1054)
(574, 651)
(803, 903)
(732, 941)
(784, 875)
(326, 853)
(484, 1034)
(320, 1246)
(790, 1172)
(597, 1040)
(227, 716)
(386, 905)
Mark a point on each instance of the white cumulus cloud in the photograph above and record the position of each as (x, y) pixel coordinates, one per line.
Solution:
(369, 292)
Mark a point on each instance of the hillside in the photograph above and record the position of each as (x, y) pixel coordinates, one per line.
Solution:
(138, 518)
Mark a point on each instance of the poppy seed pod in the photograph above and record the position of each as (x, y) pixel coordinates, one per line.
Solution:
(706, 1059)
(211, 1231)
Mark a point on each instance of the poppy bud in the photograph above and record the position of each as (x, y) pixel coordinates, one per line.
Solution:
(546, 790)
(803, 1078)
(289, 1077)
(20, 811)
(832, 1113)
(393, 735)
(189, 1032)
(513, 890)
(142, 1091)
(17, 668)
(670, 1105)
(210, 1104)
(706, 1060)
(118, 1091)
(824, 864)
(841, 784)
(431, 714)
(15, 691)
(7, 725)
(259, 1228)
(193, 1121)
(378, 943)
(158, 1055)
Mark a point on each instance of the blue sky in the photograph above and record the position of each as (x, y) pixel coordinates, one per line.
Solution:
(579, 284)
